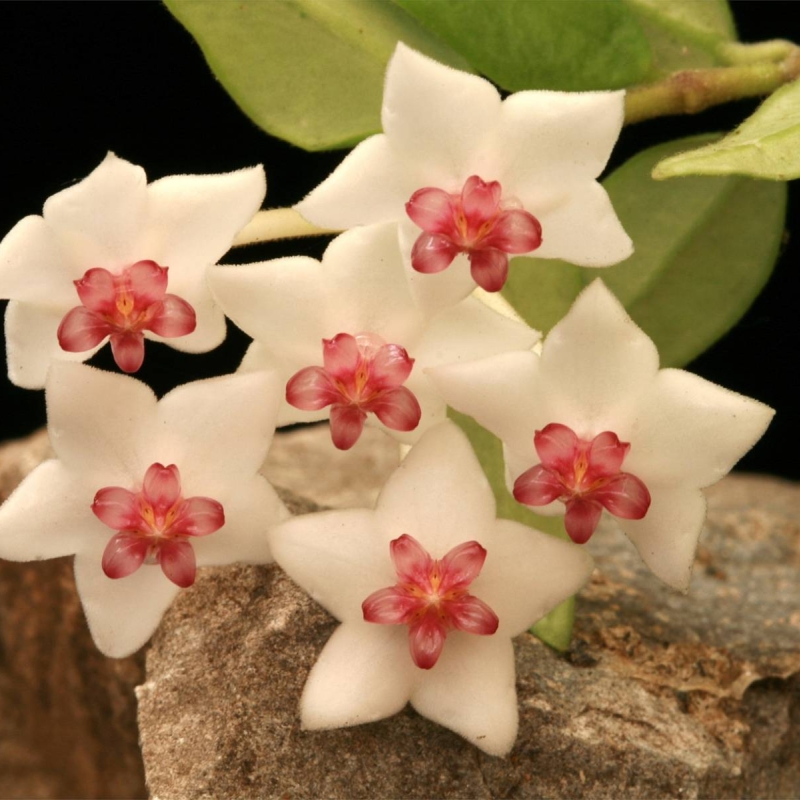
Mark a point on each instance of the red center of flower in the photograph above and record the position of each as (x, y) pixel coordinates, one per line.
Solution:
(586, 476)
(153, 525)
(475, 222)
(122, 307)
(361, 374)
(432, 597)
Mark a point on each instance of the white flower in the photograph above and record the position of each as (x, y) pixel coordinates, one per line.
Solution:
(112, 257)
(348, 339)
(593, 424)
(142, 491)
(463, 574)
(467, 173)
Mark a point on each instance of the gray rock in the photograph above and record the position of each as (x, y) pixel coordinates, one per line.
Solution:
(661, 695)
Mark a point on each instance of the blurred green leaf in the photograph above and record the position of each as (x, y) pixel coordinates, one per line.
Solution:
(766, 145)
(547, 44)
(308, 71)
(704, 249)
(684, 34)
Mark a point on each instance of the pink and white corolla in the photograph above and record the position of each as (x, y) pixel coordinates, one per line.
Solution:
(348, 338)
(594, 425)
(473, 179)
(115, 259)
(430, 589)
(143, 492)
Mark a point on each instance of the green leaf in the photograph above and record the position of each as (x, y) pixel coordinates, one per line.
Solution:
(555, 629)
(308, 71)
(704, 249)
(547, 44)
(766, 145)
(684, 34)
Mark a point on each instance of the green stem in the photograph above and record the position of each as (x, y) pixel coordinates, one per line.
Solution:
(555, 629)
(277, 223)
(694, 90)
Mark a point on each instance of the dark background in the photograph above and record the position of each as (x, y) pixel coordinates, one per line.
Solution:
(81, 78)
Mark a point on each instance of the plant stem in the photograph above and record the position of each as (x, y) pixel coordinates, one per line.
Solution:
(694, 90)
(277, 223)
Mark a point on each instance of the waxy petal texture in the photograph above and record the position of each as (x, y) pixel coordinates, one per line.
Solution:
(361, 356)
(592, 424)
(433, 530)
(145, 491)
(62, 271)
(526, 166)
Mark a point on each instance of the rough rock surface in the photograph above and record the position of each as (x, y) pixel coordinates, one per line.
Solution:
(67, 713)
(661, 695)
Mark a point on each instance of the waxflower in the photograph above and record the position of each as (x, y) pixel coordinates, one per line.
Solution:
(592, 427)
(348, 338)
(473, 179)
(143, 492)
(430, 589)
(115, 259)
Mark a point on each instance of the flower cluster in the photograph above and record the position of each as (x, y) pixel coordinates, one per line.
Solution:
(429, 587)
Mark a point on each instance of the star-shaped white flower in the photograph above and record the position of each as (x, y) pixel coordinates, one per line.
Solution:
(472, 177)
(115, 258)
(143, 491)
(447, 587)
(594, 425)
(348, 339)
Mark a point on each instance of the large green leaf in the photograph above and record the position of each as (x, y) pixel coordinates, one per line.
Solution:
(684, 34)
(546, 44)
(704, 249)
(766, 145)
(308, 71)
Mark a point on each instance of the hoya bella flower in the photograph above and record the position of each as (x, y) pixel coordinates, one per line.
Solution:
(113, 258)
(473, 179)
(144, 491)
(348, 338)
(593, 424)
(430, 589)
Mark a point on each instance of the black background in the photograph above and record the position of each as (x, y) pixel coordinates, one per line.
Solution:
(81, 78)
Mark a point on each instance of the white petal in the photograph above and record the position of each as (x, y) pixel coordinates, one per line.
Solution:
(471, 690)
(690, 432)
(527, 574)
(100, 424)
(438, 291)
(47, 516)
(99, 220)
(32, 344)
(503, 393)
(582, 229)
(124, 613)
(438, 494)
(471, 331)
(251, 508)
(371, 185)
(33, 268)
(358, 287)
(439, 115)
(218, 429)
(552, 137)
(338, 557)
(667, 536)
(363, 674)
(259, 359)
(192, 220)
(431, 403)
(595, 364)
